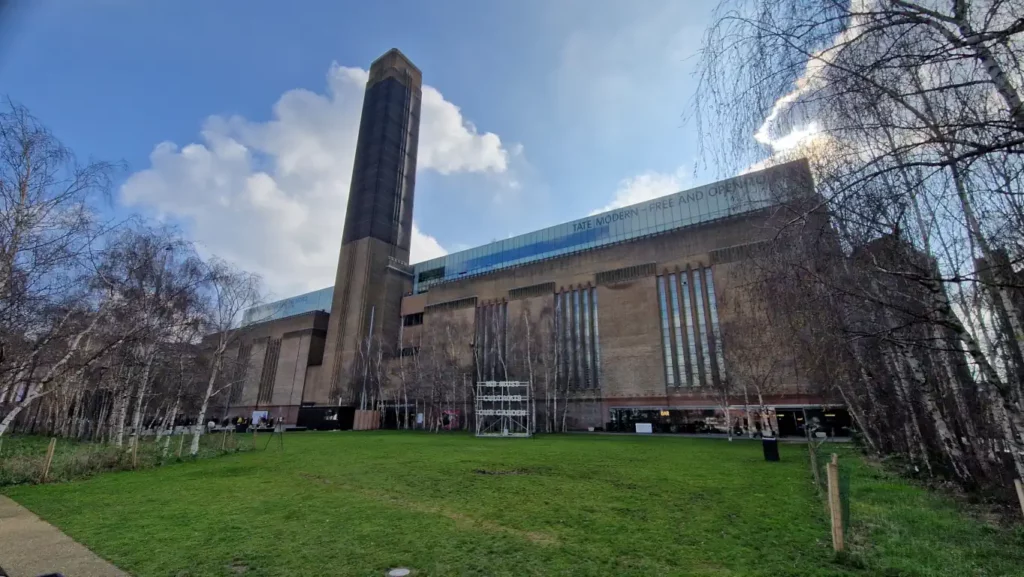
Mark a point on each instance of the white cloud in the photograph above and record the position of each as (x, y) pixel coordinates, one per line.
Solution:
(424, 247)
(271, 195)
(459, 150)
(646, 186)
(785, 127)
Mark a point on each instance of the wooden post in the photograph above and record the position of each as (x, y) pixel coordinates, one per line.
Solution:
(834, 503)
(49, 459)
(254, 437)
(223, 439)
(1020, 493)
(181, 442)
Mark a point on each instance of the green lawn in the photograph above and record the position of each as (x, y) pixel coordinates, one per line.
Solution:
(359, 503)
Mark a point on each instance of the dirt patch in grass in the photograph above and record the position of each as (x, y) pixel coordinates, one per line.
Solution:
(461, 519)
(498, 472)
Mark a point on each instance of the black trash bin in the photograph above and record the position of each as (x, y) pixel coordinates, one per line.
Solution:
(771, 448)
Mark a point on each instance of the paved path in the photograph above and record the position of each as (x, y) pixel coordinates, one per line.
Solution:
(30, 546)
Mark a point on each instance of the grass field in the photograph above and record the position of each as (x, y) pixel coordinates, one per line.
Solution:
(359, 503)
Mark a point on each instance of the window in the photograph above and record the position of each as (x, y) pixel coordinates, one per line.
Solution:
(691, 342)
(702, 330)
(269, 373)
(680, 353)
(597, 341)
(432, 274)
(666, 339)
(412, 320)
(587, 343)
(567, 337)
(559, 349)
(709, 283)
(241, 371)
(576, 336)
(490, 351)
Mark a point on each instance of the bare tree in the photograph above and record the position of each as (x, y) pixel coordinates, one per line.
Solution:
(230, 292)
(49, 314)
(155, 278)
(909, 114)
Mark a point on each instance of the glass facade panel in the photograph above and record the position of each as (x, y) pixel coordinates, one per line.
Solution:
(709, 283)
(577, 335)
(503, 339)
(319, 300)
(702, 204)
(570, 358)
(691, 343)
(486, 355)
(559, 354)
(666, 340)
(702, 329)
(588, 378)
(680, 353)
(597, 339)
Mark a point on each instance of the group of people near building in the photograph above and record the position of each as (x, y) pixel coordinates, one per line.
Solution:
(246, 424)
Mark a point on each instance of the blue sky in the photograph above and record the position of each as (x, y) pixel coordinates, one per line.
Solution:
(540, 112)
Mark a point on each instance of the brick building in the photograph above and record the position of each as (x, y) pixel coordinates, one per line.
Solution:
(616, 315)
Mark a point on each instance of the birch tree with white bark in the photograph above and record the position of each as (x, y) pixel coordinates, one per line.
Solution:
(229, 293)
(49, 312)
(910, 116)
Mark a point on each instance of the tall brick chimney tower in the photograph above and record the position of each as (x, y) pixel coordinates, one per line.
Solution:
(373, 272)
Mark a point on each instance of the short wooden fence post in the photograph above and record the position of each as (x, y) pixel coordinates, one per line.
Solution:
(49, 459)
(835, 503)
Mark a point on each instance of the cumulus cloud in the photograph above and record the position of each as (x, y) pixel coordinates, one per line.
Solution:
(462, 150)
(646, 186)
(271, 195)
(790, 123)
(424, 247)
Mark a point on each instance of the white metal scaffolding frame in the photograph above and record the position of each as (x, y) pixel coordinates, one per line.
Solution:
(503, 409)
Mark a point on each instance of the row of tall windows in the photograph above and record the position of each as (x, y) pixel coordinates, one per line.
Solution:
(691, 340)
(269, 373)
(238, 372)
(577, 338)
(491, 340)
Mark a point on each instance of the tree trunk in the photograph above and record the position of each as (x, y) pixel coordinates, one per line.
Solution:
(197, 429)
(728, 421)
(911, 425)
(140, 401)
(990, 64)
(122, 414)
(32, 395)
(746, 412)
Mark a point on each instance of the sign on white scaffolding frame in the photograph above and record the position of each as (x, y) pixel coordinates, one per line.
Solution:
(503, 409)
